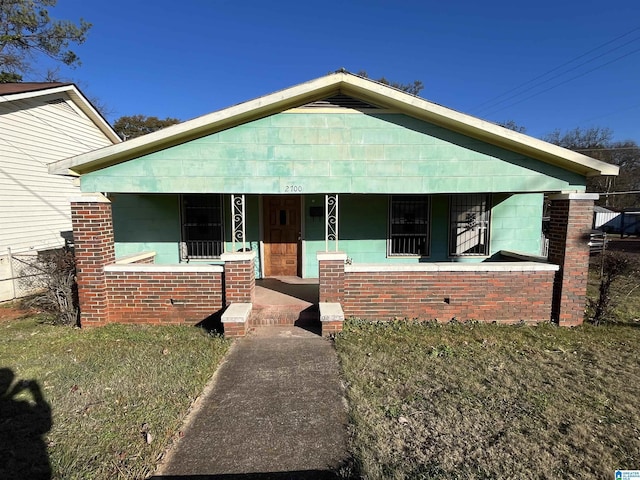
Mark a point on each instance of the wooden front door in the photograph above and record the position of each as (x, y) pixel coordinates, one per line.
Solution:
(282, 249)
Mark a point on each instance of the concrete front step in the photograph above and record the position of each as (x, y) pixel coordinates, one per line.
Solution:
(284, 315)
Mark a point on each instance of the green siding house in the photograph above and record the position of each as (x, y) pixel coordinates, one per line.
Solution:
(340, 171)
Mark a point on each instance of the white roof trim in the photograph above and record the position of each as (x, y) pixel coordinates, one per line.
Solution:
(78, 99)
(377, 93)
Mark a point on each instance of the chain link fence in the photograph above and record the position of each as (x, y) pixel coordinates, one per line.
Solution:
(21, 275)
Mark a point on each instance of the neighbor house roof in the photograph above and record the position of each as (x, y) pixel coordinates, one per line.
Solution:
(336, 83)
(10, 92)
(9, 88)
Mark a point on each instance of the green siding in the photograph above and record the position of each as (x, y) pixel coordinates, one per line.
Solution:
(143, 223)
(152, 222)
(336, 153)
(516, 223)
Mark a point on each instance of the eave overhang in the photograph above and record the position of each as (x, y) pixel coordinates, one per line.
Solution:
(348, 84)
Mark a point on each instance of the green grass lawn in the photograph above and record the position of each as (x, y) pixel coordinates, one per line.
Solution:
(98, 388)
(485, 401)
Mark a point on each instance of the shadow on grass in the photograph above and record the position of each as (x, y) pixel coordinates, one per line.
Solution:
(23, 452)
(213, 323)
(295, 475)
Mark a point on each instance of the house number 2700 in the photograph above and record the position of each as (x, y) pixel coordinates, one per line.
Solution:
(293, 188)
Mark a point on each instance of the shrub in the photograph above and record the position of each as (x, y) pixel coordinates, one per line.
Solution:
(58, 290)
(614, 266)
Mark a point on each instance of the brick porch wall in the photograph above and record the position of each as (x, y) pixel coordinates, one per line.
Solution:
(504, 297)
(162, 297)
(571, 217)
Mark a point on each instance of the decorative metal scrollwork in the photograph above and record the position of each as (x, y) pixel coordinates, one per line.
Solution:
(331, 227)
(237, 213)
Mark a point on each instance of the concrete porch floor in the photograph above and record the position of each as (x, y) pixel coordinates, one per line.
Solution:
(286, 301)
(287, 291)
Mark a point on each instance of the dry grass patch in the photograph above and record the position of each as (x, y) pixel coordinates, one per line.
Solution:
(625, 290)
(485, 401)
(101, 386)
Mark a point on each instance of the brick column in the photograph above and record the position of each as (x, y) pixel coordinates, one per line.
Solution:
(93, 239)
(571, 218)
(331, 268)
(239, 277)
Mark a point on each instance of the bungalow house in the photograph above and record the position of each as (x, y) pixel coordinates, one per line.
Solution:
(39, 123)
(399, 206)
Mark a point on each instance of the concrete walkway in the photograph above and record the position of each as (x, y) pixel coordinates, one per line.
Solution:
(275, 411)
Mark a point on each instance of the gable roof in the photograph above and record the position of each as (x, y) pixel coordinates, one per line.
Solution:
(339, 83)
(10, 92)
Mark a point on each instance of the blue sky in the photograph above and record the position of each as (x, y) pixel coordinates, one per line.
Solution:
(185, 59)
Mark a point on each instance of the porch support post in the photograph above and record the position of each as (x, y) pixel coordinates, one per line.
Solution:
(239, 277)
(239, 291)
(331, 276)
(93, 238)
(570, 221)
(331, 225)
(331, 290)
(238, 216)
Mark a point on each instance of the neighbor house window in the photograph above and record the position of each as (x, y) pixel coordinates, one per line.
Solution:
(469, 225)
(202, 226)
(409, 217)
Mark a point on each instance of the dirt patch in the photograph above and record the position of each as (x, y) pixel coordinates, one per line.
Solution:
(13, 311)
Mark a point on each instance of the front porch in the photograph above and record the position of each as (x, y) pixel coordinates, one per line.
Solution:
(501, 288)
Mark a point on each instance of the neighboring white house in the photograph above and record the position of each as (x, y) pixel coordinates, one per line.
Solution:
(606, 220)
(40, 123)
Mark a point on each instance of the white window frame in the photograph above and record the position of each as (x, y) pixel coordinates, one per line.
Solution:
(476, 226)
(199, 249)
(394, 237)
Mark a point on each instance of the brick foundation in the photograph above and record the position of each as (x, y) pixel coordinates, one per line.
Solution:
(234, 330)
(571, 218)
(331, 328)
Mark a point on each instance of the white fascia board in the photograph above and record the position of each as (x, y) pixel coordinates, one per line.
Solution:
(76, 97)
(85, 105)
(366, 89)
(12, 97)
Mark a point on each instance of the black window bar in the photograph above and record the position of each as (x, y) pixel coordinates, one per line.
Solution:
(202, 227)
(469, 223)
(409, 220)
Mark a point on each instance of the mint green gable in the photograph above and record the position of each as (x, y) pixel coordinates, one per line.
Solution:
(516, 222)
(335, 153)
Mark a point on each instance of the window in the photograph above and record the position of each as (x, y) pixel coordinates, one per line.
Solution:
(469, 225)
(409, 225)
(202, 226)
